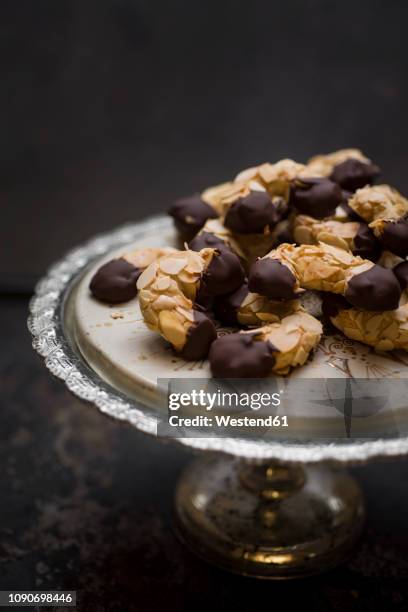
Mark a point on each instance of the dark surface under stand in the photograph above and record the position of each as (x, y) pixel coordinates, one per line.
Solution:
(86, 504)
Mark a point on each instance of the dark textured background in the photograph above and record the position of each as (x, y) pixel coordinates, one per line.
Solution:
(109, 110)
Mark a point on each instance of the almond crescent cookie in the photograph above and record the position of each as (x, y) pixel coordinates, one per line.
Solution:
(170, 288)
(247, 207)
(250, 216)
(247, 246)
(385, 331)
(256, 201)
(285, 271)
(277, 348)
(349, 168)
(386, 211)
(351, 236)
(247, 212)
(251, 309)
(115, 281)
(318, 197)
(275, 178)
(216, 236)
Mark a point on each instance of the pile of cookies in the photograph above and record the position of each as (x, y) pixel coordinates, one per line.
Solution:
(252, 250)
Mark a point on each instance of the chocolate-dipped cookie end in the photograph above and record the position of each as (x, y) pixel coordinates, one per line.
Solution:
(224, 273)
(395, 237)
(226, 306)
(241, 356)
(269, 277)
(115, 281)
(317, 197)
(401, 272)
(353, 174)
(375, 289)
(207, 240)
(366, 244)
(201, 335)
(190, 214)
(252, 213)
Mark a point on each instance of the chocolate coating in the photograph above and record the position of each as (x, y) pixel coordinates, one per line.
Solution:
(401, 272)
(366, 244)
(351, 214)
(271, 278)
(204, 301)
(115, 281)
(251, 214)
(353, 174)
(241, 356)
(285, 235)
(395, 237)
(201, 335)
(224, 274)
(317, 197)
(206, 240)
(375, 289)
(226, 306)
(332, 303)
(190, 214)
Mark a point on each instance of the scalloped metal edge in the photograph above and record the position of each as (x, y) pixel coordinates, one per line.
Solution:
(50, 342)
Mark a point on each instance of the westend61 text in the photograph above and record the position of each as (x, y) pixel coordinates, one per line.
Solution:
(228, 421)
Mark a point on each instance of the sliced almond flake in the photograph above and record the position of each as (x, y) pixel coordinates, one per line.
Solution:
(173, 265)
(267, 172)
(195, 263)
(164, 302)
(187, 277)
(284, 342)
(190, 291)
(147, 276)
(173, 286)
(256, 186)
(332, 240)
(311, 324)
(267, 316)
(188, 314)
(214, 226)
(257, 304)
(172, 329)
(338, 254)
(150, 317)
(117, 315)
(183, 301)
(213, 194)
(246, 175)
(338, 287)
(251, 297)
(367, 265)
(145, 295)
(141, 258)
(292, 326)
(162, 283)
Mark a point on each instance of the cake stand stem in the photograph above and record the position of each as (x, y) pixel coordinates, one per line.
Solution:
(268, 521)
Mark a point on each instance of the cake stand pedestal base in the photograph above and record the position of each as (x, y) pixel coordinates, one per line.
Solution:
(268, 521)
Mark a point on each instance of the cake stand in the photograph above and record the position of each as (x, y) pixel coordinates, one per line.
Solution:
(268, 508)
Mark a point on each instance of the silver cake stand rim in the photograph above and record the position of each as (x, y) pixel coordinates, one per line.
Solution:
(50, 341)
